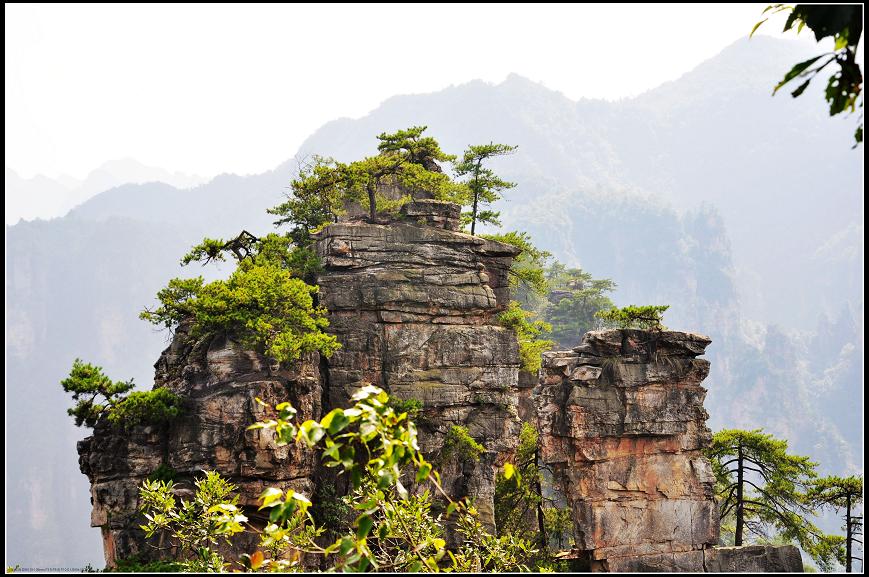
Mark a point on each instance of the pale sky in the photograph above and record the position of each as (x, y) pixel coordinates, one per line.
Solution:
(237, 88)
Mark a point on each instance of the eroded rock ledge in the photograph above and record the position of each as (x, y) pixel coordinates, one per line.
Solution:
(622, 426)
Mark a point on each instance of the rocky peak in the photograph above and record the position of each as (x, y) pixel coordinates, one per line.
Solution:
(414, 304)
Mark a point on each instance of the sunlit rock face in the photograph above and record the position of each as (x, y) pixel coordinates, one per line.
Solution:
(622, 427)
(414, 305)
(219, 381)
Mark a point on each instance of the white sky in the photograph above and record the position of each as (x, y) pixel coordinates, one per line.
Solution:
(222, 88)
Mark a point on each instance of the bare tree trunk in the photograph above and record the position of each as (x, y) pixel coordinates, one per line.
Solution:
(849, 535)
(740, 514)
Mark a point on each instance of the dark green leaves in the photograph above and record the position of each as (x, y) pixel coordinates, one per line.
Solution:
(799, 69)
(87, 383)
(844, 23)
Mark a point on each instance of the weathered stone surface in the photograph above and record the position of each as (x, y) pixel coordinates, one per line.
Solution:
(434, 213)
(622, 425)
(754, 559)
(414, 305)
(219, 381)
(414, 308)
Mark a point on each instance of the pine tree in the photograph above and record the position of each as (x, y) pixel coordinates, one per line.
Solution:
(483, 185)
(842, 493)
(762, 487)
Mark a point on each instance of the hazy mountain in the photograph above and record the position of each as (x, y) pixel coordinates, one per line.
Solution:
(43, 197)
(741, 211)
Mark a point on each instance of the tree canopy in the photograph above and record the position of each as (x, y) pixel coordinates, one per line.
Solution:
(483, 185)
(88, 384)
(263, 302)
(648, 317)
(841, 493)
(762, 487)
(575, 299)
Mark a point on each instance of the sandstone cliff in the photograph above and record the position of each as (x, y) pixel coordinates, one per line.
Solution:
(414, 304)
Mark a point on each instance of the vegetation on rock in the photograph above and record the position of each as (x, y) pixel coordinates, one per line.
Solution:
(575, 298)
(395, 526)
(646, 317)
(88, 384)
(527, 332)
(520, 508)
(459, 442)
(264, 302)
(483, 186)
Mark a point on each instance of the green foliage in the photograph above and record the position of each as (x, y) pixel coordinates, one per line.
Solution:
(761, 488)
(317, 199)
(325, 188)
(483, 186)
(262, 302)
(393, 529)
(576, 298)
(88, 383)
(647, 317)
(196, 527)
(845, 25)
(520, 509)
(840, 493)
(458, 441)
(155, 407)
(517, 497)
(413, 407)
(414, 148)
(163, 473)
(134, 564)
(530, 346)
(527, 273)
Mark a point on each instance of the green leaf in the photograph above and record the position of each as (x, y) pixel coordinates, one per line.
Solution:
(801, 88)
(423, 472)
(363, 526)
(383, 531)
(346, 545)
(508, 470)
(270, 497)
(756, 26)
(335, 421)
(311, 432)
(799, 69)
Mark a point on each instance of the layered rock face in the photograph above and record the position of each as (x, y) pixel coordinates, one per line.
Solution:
(219, 381)
(755, 559)
(413, 304)
(622, 426)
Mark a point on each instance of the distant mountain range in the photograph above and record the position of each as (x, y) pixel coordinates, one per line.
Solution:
(742, 211)
(45, 198)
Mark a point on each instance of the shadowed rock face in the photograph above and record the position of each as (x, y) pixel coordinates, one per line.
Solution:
(219, 381)
(622, 426)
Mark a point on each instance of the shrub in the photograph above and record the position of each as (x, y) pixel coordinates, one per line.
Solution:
(460, 442)
(646, 317)
(530, 346)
